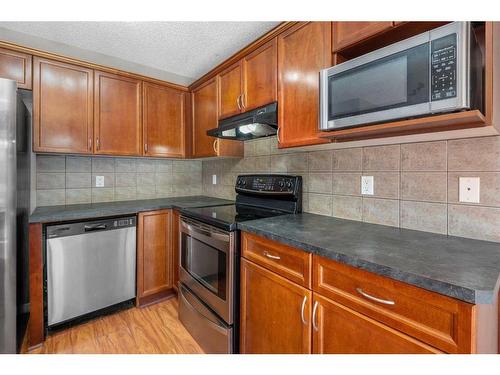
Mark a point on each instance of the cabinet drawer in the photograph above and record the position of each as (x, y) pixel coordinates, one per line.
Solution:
(440, 321)
(286, 261)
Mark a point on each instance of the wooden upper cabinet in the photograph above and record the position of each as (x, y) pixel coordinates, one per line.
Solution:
(303, 50)
(154, 255)
(16, 66)
(348, 33)
(230, 92)
(163, 121)
(260, 76)
(204, 106)
(204, 109)
(117, 115)
(275, 313)
(341, 330)
(62, 107)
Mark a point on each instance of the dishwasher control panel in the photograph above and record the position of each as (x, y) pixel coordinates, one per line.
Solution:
(87, 227)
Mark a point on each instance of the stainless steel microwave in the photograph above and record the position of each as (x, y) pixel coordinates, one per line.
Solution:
(428, 73)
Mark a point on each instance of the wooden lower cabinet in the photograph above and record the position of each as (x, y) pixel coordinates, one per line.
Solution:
(154, 256)
(337, 313)
(275, 313)
(341, 330)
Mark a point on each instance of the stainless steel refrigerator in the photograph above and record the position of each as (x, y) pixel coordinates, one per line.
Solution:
(15, 155)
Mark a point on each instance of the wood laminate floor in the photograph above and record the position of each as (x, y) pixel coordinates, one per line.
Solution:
(150, 330)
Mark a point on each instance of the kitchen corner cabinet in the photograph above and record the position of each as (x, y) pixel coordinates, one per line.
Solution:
(303, 50)
(163, 121)
(62, 107)
(343, 309)
(348, 33)
(275, 313)
(204, 112)
(154, 256)
(16, 66)
(249, 83)
(117, 115)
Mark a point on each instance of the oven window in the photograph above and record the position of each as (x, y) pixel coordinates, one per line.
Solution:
(205, 263)
(394, 81)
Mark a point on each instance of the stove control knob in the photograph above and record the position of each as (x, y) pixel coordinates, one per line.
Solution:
(289, 185)
(281, 183)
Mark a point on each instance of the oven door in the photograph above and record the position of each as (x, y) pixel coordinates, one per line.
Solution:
(206, 258)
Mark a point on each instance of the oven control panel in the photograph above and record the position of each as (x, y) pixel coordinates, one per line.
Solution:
(270, 184)
(444, 68)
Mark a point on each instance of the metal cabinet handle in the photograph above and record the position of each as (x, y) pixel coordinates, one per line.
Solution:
(238, 102)
(243, 97)
(315, 308)
(278, 135)
(90, 144)
(98, 144)
(145, 148)
(379, 300)
(216, 146)
(271, 256)
(302, 311)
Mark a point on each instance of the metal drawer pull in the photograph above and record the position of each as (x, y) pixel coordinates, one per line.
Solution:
(315, 308)
(271, 256)
(302, 311)
(384, 301)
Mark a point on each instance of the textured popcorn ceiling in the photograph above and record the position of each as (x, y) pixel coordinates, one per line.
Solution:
(186, 49)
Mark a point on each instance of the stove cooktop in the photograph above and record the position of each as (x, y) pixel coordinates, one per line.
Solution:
(226, 217)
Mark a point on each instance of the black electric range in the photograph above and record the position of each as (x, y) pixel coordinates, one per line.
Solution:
(209, 256)
(259, 196)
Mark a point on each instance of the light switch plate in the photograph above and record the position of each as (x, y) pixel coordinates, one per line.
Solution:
(367, 185)
(214, 179)
(469, 189)
(99, 181)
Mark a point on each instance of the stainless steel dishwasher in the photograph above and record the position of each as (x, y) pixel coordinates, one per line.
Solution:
(90, 265)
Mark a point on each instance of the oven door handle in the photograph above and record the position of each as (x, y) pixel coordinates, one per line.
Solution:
(214, 235)
(216, 325)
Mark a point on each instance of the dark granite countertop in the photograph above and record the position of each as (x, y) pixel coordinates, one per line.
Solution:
(52, 214)
(461, 268)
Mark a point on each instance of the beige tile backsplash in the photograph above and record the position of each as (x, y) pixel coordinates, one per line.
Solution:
(415, 184)
(71, 179)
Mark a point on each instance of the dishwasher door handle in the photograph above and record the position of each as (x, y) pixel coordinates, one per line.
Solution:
(92, 228)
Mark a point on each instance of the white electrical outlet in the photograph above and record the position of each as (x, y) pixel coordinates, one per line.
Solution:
(99, 181)
(214, 179)
(468, 189)
(367, 185)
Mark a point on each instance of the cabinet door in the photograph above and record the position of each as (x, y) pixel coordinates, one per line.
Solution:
(204, 103)
(347, 33)
(175, 247)
(16, 66)
(260, 76)
(62, 107)
(154, 256)
(117, 117)
(303, 51)
(275, 313)
(230, 90)
(339, 330)
(163, 121)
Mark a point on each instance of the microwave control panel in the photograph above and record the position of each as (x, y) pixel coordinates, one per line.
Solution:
(444, 68)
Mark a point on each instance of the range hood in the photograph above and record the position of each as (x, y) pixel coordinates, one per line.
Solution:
(260, 122)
